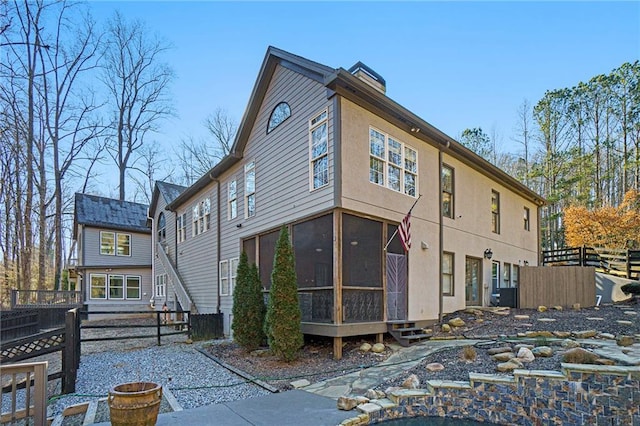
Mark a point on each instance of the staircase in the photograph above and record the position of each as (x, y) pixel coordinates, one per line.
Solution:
(176, 282)
(406, 332)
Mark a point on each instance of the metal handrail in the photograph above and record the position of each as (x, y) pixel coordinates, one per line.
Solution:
(174, 278)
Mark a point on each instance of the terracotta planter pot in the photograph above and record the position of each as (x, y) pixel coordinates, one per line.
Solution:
(135, 404)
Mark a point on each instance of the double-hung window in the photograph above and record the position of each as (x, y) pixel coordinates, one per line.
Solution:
(181, 226)
(161, 281)
(392, 163)
(133, 287)
(115, 244)
(319, 150)
(232, 196)
(116, 287)
(98, 286)
(201, 217)
(495, 212)
(527, 219)
(447, 274)
(228, 270)
(250, 189)
(447, 191)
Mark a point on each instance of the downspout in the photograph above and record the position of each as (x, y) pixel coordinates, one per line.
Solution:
(218, 245)
(441, 236)
(153, 263)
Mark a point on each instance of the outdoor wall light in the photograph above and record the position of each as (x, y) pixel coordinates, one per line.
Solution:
(488, 254)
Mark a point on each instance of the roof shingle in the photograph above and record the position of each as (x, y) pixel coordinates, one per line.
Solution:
(104, 212)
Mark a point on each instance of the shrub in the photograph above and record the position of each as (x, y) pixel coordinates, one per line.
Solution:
(248, 306)
(468, 353)
(282, 324)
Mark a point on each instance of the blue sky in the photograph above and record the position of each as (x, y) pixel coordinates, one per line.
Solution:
(456, 64)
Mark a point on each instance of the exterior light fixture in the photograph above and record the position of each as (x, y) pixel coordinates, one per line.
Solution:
(488, 254)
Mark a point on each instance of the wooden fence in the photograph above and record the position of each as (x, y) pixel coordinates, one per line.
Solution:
(21, 322)
(624, 263)
(40, 298)
(31, 377)
(542, 285)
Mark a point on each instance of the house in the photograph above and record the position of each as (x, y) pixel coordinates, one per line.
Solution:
(326, 153)
(113, 244)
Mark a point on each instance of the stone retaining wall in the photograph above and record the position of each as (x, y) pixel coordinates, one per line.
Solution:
(579, 395)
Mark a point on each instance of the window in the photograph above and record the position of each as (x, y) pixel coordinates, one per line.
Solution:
(201, 217)
(280, 113)
(515, 276)
(495, 212)
(447, 191)
(447, 274)
(233, 271)
(116, 287)
(98, 286)
(267, 251)
(224, 277)
(162, 228)
(250, 189)
(133, 287)
(181, 227)
(108, 243)
(319, 157)
(109, 247)
(526, 219)
(506, 275)
(232, 201)
(161, 285)
(392, 164)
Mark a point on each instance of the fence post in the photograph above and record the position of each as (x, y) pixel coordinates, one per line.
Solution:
(158, 325)
(14, 298)
(70, 359)
(628, 264)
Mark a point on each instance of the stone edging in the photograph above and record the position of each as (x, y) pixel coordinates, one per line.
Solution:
(579, 395)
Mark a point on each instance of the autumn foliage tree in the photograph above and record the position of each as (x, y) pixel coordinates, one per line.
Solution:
(612, 227)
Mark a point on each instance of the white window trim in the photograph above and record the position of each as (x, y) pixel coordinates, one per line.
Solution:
(224, 278)
(250, 166)
(115, 243)
(201, 217)
(118, 234)
(122, 277)
(160, 286)
(233, 274)
(312, 160)
(106, 286)
(232, 200)
(386, 163)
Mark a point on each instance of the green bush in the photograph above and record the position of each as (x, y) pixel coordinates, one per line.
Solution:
(631, 288)
(248, 306)
(282, 324)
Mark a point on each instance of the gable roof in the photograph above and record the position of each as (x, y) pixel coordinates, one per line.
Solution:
(168, 191)
(347, 85)
(92, 210)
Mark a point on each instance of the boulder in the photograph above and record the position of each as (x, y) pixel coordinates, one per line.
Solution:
(411, 382)
(456, 322)
(446, 328)
(508, 366)
(542, 351)
(558, 308)
(585, 334)
(569, 343)
(378, 348)
(517, 347)
(374, 394)
(605, 361)
(542, 308)
(525, 355)
(579, 356)
(561, 334)
(434, 366)
(499, 350)
(625, 340)
(503, 356)
(347, 403)
(365, 347)
(575, 306)
(607, 336)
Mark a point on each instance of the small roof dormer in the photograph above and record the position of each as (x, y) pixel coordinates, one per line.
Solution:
(369, 76)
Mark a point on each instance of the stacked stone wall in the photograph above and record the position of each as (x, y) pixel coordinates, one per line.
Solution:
(578, 395)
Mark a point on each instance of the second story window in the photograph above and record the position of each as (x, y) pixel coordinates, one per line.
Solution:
(527, 219)
(181, 227)
(162, 228)
(447, 191)
(115, 244)
(319, 150)
(281, 112)
(250, 189)
(495, 212)
(232, 197)
(201, 217)
(392, 163)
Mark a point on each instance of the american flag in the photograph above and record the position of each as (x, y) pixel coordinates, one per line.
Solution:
(404, 230)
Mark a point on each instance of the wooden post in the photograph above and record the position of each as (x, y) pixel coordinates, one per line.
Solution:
(158, 325)
(380, 338)
(69, 355)
(337, 348)
(628, 264)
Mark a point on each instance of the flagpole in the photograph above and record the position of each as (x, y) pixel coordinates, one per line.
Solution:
(394, 234)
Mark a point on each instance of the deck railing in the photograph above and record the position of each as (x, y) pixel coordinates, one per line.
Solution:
(625, 263)
(40, 298)
(30, 378)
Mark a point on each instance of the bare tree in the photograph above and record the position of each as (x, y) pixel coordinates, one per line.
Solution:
(150, 164)
(523, 137)
(197, 157)
(138, 84)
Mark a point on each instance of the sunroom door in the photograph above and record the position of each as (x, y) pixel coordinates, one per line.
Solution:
(396, 287)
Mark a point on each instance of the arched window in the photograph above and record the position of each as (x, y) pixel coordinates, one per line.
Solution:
(162, 228)
(279, 114)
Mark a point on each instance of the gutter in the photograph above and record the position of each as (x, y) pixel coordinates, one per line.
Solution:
(153, 263)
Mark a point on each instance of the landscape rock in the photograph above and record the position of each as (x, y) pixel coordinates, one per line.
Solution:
(517, 347)
(446, 328)
(521, 317)
(579, 356)
(542, 308)
(605, 361)
(347, 403)
(456, 322)
(502, 312)
(569, 343)
(411, 382)
(504, 356)
(525, 355)
(542, 333)
(542, 351)
(607, 336)
(365, 347)
(499, 350)
(625, 340)
(374, 394)
(434, 366)
(575, 306)
(378, 348)
(509, 366)
(562, 334)
(585, 334)
(558, 308)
